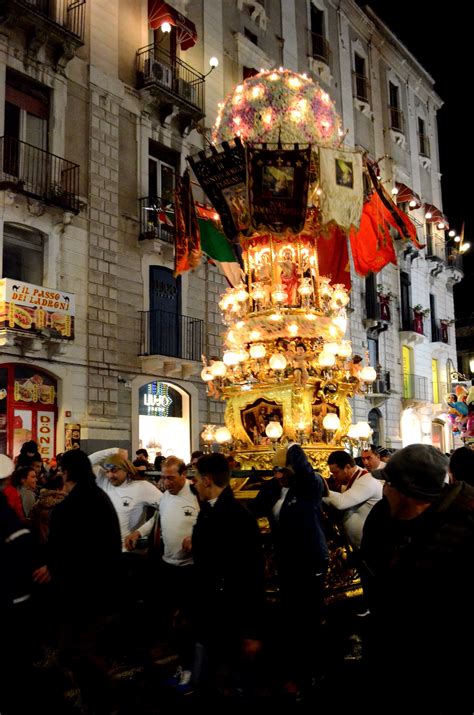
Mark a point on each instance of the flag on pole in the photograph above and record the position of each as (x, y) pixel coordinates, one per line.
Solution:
(217, 246)
(372, 245)
(188, 245)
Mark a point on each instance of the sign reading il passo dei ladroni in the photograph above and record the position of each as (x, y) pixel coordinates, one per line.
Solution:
(28, 308)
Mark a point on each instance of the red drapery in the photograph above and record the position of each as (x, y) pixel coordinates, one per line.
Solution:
(160, 12)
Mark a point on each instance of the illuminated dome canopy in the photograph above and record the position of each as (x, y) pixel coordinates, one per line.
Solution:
(278, 105)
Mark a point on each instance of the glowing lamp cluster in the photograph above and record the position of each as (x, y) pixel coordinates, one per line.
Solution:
(278, 105)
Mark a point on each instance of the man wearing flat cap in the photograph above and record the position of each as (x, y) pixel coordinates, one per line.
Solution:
(418, 550)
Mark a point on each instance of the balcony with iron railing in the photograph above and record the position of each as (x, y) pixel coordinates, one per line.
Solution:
(439, 331)
(412, 322)
(415, 387)
(397, 119)
(154, 219)
(361, 87)
(381, 385)
(172, 335)
(435, 248)
(39, 174)
(178, 87)
(319, 48)
(60, 23)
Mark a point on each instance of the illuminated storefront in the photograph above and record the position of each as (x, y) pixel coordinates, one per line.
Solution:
(28, 409)
(164, 420)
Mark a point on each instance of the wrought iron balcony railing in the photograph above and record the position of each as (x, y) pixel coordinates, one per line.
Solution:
(39, 174)
(415, 387)
(319, 47)
(435, 247)
(154, 220)
(156, 67)
(439, 331)
(172, 335)
(361, 87)
(413, 322)
(396, 119)
(68, 15)
(381, 384)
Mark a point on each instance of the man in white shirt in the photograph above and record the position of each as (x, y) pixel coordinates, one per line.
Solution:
(177, 514)
(128, 491)
(359, 491)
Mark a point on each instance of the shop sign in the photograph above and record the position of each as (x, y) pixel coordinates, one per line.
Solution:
(45, 434)
(28, 308)
(72, 436)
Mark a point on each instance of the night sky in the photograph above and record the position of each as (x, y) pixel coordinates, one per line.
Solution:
(440, 42)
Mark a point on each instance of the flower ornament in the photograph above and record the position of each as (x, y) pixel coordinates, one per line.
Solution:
(278, 105)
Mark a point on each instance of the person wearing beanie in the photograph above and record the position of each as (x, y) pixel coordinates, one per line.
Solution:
(124, 484)
(418, 549)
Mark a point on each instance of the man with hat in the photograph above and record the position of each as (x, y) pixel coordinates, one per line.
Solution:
(128, 491)
(418, 548)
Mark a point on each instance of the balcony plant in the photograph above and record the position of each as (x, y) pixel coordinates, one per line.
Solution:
(419, 313)
(419, 310)
(384, 297)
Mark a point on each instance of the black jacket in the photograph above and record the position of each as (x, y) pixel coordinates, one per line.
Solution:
(84, 549)
(229, 570)
(298, 535)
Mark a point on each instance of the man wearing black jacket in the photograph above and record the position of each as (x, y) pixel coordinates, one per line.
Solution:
(229, 576)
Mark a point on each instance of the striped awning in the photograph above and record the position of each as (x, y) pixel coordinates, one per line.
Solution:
(160, 12)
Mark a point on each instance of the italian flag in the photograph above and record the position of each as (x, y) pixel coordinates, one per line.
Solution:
(218, 247)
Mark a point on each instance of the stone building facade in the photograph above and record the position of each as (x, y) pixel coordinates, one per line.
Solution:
(93, 86)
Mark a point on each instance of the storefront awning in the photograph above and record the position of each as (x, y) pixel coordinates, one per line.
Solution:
(435, 215)
(407, 195)
(160, 12)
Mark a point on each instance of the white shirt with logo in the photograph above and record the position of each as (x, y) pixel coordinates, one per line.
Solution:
(178, 514)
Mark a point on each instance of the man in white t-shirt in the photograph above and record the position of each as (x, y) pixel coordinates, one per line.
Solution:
(177, 514)
(128, 491)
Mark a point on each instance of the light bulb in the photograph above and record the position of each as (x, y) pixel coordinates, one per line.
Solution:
(230, 358)
(277, 361)
(326, 359)
(464, 247)
(258, 351)
(293, 329)
(274, 430)
(345, 349)
(332, 348)
(213, 62)
(368, 374)
(207, 435)
(340, 322)
(394, 191)
(218, 369)
(412, 204)
(166, 27)
(331, 421)
(206, 375)
(428, 215)
(364, 430)
(222, 435)
(279, 294)
(353, 432)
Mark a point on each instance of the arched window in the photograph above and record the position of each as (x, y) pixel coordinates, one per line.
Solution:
(375, 421)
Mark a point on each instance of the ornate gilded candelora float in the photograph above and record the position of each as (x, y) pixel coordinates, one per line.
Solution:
(287, 369)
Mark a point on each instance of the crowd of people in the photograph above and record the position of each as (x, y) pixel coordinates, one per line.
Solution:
(93, 541)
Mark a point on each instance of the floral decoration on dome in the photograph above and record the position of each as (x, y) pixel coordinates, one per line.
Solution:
(278, 105)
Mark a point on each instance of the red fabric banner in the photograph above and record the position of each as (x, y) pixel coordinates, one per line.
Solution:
(188, 239)
(372, 246)
(333, 256)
